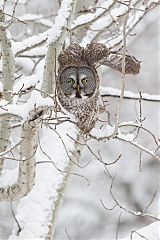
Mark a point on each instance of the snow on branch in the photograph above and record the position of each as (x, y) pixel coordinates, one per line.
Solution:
(26, 174)
(62, 22)
(35, 103)
(89, 18)
(30, 119)
(48, 36)
(29, 43)
(135, 16)
(113, 92)
(106, 23)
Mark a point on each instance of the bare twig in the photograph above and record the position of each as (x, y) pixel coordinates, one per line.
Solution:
(13, 13)
(137, 214)
(117, 116)
(156, 140)
(118, 225)
(149, 204)
(13, 214)
(140, 147)
(68, 234)
(131, 236)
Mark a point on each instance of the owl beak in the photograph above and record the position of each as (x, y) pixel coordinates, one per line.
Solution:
(78, 88)
(78, 92)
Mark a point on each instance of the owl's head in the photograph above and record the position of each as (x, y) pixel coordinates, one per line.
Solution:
(79, 82)
(77, 77)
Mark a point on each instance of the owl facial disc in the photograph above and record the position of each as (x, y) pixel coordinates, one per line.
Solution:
(78, 82)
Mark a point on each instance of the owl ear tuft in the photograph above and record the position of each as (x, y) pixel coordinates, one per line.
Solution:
(94, 52)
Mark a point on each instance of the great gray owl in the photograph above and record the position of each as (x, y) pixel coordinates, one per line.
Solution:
(78, 82)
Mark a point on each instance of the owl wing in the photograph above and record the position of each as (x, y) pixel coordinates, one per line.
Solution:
(114, 61)
(73, 54)
(97, 54)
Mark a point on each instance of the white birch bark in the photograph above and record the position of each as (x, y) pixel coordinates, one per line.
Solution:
(26, 167)
(8, 67)
(26, 175)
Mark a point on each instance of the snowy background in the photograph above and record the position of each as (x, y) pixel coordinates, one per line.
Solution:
(82, 216)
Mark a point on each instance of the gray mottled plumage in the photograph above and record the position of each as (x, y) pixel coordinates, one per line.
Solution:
(78, 81)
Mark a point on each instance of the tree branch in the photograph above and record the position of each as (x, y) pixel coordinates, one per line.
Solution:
(114, 92)
(8, 67)
(26, 176)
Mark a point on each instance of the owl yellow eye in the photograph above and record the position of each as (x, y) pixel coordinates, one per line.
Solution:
(71, 81)
(84, 80)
